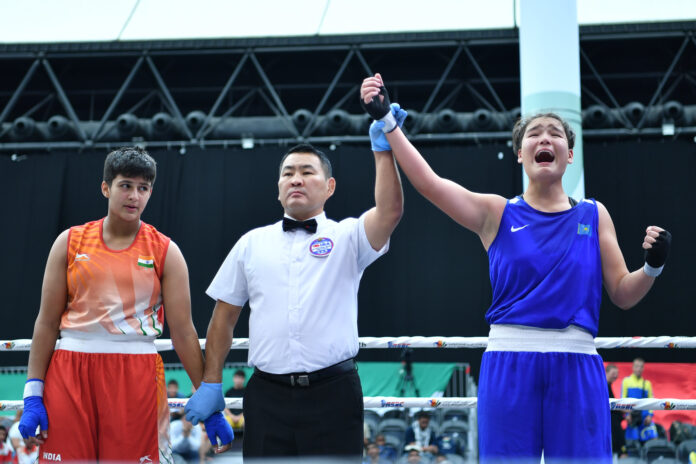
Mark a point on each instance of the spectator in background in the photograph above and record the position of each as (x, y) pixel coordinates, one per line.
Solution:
(640, 426)
(6, 454)
(448, 443)
(618, 439)
(173, 389)
(386, 452)
(422, 435)
(15, 438)
(373, 455)
(27, 454)
(236, 416)
(22, 454)
(173, 392)
(186, 441)
(414, 455)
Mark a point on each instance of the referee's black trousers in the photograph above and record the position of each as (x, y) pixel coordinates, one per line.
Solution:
(322, 419)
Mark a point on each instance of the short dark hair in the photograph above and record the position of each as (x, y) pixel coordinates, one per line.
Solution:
(240, 373)
(521, 126)
(173, 382)
(610, 367)
(307, 148)
(420, 414)
(130, 162)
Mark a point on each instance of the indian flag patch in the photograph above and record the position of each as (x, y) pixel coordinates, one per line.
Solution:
(146, 261)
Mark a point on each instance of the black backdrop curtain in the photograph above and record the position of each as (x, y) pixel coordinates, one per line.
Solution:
(433, 281)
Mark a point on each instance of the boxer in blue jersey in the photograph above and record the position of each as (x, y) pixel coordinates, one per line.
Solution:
(542, 387)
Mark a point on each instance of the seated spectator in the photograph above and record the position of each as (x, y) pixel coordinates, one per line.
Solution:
(21, 453)
(27, 454)
(236, 416)
(6, 454)
(386, 452)
(186, 440)
(447, 443)
(422, 435)
(173, 389)
(173, 392)
(441, 459)
(373, 456)
(413, 455)
(640, 425)
(15, 437)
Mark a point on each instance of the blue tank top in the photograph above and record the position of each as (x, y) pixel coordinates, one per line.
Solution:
(546, 268)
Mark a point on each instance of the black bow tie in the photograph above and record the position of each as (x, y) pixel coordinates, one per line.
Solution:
(309, 225)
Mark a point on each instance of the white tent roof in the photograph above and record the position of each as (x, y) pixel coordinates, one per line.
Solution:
(125, 20)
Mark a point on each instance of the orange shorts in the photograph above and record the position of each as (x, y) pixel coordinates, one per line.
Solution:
(106, 407)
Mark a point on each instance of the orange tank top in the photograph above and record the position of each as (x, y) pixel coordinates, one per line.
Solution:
(114, 292)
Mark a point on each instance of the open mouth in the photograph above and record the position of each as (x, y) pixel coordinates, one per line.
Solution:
(544, 156)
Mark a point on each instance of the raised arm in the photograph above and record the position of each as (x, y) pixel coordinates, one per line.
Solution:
(626, 288)
(479, 213)
(381, 220)
(177, 306)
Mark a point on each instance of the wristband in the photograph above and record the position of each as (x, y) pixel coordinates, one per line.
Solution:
(33, 387)
(652, 271)
(389, 122)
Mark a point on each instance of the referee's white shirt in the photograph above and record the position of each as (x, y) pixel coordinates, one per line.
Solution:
(303, 299)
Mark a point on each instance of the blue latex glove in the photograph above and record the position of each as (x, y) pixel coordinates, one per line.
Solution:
(34, 416)
(217, 427)
(377, 138)
(207, 400)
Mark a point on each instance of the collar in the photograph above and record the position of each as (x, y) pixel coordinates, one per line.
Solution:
(320, 218)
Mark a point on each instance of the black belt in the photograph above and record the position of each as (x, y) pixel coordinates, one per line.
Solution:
(308, 378)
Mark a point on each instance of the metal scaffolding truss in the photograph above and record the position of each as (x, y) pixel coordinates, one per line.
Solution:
(456, 85)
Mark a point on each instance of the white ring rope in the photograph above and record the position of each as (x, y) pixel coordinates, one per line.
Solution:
(24, 344)
(622, 404)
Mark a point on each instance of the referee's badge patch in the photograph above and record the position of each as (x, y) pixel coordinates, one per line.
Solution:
(321, 247)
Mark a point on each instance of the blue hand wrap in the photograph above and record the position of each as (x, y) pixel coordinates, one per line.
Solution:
(34, 416)
(218, 428)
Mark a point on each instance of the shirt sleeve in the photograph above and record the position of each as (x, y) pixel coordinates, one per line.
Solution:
(230, 283)
(366, 254)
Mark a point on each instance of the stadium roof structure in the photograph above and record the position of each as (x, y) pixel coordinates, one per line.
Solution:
(299, 79)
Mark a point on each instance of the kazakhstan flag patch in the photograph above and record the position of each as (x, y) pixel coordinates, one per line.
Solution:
(584, 229)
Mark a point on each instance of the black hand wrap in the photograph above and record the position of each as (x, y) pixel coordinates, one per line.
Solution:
(377, 108)
(657, 255)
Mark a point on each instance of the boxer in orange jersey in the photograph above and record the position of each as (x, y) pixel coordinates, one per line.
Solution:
(105, 289)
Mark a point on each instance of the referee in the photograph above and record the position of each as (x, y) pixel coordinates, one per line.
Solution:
(301, 277)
